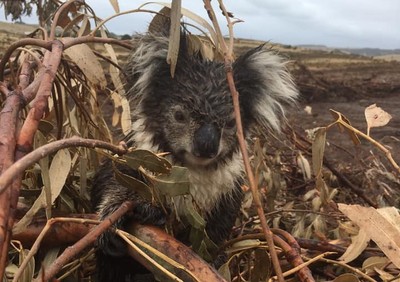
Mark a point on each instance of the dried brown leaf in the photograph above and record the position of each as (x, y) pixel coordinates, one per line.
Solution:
(358, 244)
(347, 277)
(174, 35)
(58, 172)
(380, 229)
(340, 117)
(304, 166)
(115, 5)
(160, 21)
(318, 148)
(87, 61)
(376, 117)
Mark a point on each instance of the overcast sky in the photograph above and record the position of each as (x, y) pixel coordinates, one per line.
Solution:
(335, 23)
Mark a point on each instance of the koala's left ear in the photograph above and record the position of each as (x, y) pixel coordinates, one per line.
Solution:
(264, 86)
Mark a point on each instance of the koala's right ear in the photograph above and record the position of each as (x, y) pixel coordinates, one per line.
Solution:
(150, 53)
(264, 85)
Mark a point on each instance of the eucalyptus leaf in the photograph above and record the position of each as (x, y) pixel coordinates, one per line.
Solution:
(175, 183)
(131, 182)
(148, 160)
(194, 218)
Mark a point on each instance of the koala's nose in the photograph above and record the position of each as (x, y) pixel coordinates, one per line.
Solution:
(206, 141)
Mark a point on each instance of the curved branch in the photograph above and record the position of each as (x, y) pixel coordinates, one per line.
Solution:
(89, 239)
(69, 42)
(57, 16)
(27, 41)
(22, 164)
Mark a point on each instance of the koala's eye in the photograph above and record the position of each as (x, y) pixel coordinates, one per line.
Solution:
(179, 116)
(230, 124)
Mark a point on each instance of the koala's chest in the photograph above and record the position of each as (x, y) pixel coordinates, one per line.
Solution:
(207, 187)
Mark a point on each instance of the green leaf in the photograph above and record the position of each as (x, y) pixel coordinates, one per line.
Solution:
(131, 182)
(148, 160)
(194, 218)
(175, 183)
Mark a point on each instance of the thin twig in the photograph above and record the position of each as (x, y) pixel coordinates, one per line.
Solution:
(228, 54)
(89, 239)
(31, 158)
(23, 42)
(60, 10)
(373, 141)
(34, 249)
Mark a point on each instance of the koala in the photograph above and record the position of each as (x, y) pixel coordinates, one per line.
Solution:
(190, 116)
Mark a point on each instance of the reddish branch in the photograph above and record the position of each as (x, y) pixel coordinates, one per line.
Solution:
(86, 241)
(23, 42)
(175, 250)
(31, 158)
(292, 253)
(228, 58)
(60, 233)
(14, 102)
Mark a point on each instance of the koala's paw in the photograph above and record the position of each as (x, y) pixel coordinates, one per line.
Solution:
(144, 213)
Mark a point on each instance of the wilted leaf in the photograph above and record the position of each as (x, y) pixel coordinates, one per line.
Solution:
(376, 117)
(174, 35)
(85, 26)
(148, 160)
(175, 183)
(115, 5)
(347, 277)
(244, 245)
(304, 165)
(135, 184)
(318, 148)
(51, 256)
(374, 262)
(342, 119)
(225, 271)
(196, 18)
(58, 172)
(200, 45)
(118, 96)
(386, 276)
(326, 194)
(194, 218)
(87, 61)
(160, 20)
(381, 230)
(116, 117)
(358, 244)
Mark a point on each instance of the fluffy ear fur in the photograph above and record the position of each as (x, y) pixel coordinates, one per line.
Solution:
(265, 86)
(149, 55)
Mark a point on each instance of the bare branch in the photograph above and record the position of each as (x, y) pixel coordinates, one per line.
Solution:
(31, 158)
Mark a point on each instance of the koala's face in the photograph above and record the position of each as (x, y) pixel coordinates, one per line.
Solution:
(192, 115)
(197, 139)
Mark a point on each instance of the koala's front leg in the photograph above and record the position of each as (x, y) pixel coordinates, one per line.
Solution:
(222, 217)
(107, 196)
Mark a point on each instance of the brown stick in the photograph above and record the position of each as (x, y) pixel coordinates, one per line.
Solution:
(8, 129)
(31, 158)
(228, 54)
(23, 42)
(89, 239)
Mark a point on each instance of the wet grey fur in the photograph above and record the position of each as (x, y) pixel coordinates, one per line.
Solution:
(190, 116)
